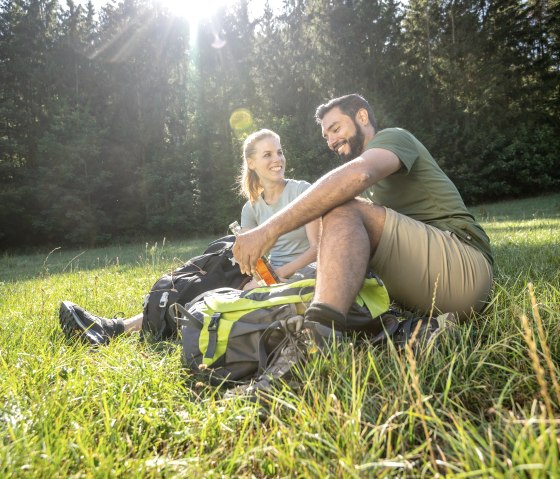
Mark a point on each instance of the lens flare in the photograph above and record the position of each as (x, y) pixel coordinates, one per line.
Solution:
(241, 121)
(218, 42)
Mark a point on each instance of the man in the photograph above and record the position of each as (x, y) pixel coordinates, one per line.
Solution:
(413, 230)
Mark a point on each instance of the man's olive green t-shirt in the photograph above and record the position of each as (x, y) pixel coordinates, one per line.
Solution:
(422, 191)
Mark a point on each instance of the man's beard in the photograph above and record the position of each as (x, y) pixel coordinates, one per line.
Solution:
(356, 144)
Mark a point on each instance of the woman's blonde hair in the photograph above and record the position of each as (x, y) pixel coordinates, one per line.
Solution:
(249, 183)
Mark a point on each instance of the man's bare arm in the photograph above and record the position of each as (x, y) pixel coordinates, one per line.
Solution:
(333, 189)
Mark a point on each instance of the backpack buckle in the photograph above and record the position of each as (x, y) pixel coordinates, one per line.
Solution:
(214, 321)
(163, 300)
(212, 335)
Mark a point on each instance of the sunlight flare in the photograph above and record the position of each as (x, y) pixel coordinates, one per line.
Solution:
(193, 10)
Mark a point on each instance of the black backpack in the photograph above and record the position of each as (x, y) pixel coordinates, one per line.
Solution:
(215, 268)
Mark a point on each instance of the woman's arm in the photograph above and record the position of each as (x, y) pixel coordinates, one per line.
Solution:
(308, 256)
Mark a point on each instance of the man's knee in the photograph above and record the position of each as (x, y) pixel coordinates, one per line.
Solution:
(356, 209)
(357, 213)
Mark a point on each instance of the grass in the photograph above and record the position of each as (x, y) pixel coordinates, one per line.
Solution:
(485, 403)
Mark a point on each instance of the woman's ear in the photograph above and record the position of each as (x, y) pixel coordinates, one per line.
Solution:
(250, 163)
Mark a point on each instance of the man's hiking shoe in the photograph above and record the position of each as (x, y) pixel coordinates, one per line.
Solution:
(288, 355)
(77, 322)
(420, 333)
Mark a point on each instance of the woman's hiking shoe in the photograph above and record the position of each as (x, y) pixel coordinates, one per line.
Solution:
(95, 330)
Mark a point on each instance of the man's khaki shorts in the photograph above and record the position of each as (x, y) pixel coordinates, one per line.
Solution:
(425, 268)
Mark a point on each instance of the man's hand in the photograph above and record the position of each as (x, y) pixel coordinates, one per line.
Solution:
(250, 246)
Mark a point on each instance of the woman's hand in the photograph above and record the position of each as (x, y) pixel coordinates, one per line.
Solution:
(253, 284)
(250, 285)
(282, 274)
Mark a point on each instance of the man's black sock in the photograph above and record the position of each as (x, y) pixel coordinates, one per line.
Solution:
(325, 315)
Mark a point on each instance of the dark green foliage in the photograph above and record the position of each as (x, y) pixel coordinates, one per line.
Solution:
(116, 124)
(70, 180)
(524, 166)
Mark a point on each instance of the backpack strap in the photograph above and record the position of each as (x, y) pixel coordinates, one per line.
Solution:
(181, 315)
(213, 335)
(206, 293)
(162, 309)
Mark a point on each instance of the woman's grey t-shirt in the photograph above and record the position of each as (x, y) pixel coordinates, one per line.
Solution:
(290, 245)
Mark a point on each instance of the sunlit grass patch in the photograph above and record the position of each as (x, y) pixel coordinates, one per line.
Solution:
(483, 403)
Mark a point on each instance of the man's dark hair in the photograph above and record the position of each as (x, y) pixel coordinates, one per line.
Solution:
(349, 105)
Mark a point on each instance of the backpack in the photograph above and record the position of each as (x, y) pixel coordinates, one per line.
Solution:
(213, 269)
(228, 335)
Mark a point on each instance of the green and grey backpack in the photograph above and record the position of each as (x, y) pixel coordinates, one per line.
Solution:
(228, 334)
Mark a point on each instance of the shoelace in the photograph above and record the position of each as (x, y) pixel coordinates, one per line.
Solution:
(290, 340)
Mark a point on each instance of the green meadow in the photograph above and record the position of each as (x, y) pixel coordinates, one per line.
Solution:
(485, 402)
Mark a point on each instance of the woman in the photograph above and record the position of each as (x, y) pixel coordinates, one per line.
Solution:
(263, 183)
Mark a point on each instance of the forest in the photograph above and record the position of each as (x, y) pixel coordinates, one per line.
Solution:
(125, 122)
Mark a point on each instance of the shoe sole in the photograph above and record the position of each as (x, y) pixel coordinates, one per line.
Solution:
(73, 327)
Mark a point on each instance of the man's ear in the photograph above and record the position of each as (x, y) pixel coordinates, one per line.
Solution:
(362, 117)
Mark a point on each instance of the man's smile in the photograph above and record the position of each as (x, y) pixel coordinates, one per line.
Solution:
(339, 145)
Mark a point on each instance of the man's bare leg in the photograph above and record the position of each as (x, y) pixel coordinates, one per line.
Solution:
(350, 235)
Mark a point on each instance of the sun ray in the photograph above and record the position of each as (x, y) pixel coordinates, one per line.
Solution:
(193, 10)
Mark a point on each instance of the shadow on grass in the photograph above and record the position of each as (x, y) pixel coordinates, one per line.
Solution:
(511, 254)
(15, 267)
